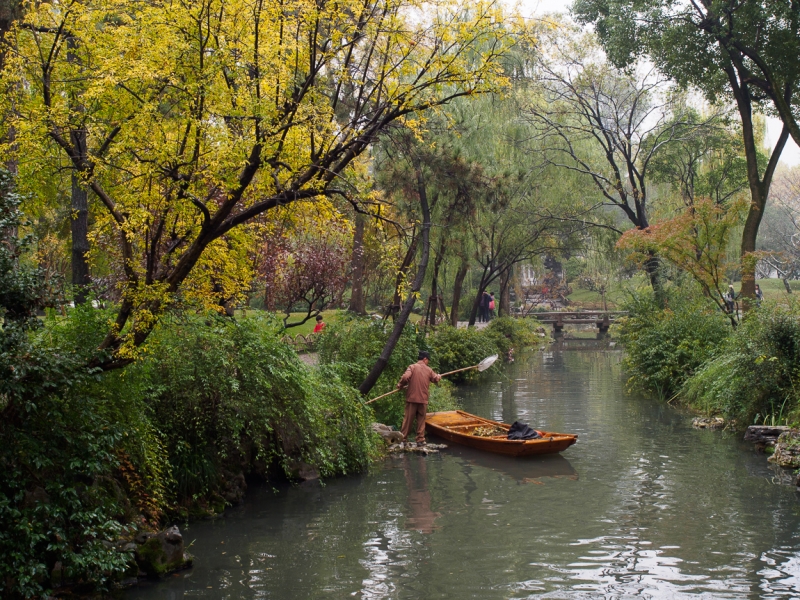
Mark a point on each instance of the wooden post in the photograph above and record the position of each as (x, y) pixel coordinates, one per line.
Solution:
(558, 326)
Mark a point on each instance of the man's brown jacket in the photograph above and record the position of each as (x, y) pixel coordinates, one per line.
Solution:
(418, 377)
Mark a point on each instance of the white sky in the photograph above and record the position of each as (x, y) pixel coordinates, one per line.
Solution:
(540, 7)
(537, 8)
(791, 153)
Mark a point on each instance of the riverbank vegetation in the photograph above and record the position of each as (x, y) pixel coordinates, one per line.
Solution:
(186, 186)
(89, 458)
(688, 353)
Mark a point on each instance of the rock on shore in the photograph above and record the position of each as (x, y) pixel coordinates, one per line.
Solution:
(160, 553)
(764, 435)
(389, 435)
(708, 423)
(787, 450)
(394, 441)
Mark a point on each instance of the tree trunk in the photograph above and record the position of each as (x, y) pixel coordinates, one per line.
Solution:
(79, 225)
(505, 292)
(433, 301)
(749, 235)
(357, 299)
(10, 11)
(401, 273)
(759, 186)
(787, 286)
(487, 277)
(402, 318)
(652, 267)
(457, 285)
(476, 306)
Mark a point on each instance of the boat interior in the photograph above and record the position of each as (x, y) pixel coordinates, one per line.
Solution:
(465, 423)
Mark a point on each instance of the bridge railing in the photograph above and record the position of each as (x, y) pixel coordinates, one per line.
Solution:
(603, 319)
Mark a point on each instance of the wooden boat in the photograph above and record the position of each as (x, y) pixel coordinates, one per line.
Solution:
(458, 426)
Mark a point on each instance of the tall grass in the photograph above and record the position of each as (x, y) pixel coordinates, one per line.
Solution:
(756, 378)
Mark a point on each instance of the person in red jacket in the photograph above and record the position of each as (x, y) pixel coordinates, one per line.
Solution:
(416, 380)
(320, 324)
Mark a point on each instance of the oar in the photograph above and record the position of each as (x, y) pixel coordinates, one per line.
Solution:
(481, 366)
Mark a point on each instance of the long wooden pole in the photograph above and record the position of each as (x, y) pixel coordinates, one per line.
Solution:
(398, 389)
(383, 396)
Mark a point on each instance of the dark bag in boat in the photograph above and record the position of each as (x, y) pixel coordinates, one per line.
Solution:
(521, 431)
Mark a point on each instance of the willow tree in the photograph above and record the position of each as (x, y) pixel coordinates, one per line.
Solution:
(201, 116)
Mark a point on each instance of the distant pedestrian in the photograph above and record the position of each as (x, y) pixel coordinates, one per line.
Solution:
(730, 299)
(320, 324)
(483, 307)
(759, 295)
(491, 306)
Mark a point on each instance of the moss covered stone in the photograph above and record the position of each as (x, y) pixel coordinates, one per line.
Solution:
(161, 553)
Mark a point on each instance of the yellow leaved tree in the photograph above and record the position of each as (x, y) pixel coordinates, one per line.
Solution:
(187, 120)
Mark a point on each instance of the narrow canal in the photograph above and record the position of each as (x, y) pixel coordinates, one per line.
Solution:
(642, 506)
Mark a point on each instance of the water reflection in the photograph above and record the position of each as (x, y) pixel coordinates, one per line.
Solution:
(781, 573)
(421, 517)
(530, 469)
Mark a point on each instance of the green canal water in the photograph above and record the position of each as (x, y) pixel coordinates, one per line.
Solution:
(643, 506)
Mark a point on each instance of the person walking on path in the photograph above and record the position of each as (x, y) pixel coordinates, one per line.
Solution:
(483, 311)
(417, 380)
(759, 295)
(491, 306)
(730, 299)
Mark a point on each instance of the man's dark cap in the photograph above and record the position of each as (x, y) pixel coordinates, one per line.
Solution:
(423, 354)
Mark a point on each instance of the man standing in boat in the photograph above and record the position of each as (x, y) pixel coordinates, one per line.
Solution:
(417, 380)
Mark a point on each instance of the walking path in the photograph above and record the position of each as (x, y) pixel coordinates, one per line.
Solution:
(310, 358)
(463, 325)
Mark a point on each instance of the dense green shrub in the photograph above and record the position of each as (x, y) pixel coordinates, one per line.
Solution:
(663, 348)
(59, 502)
(510, 333)
(87, 457)
(453, 349)
(228, 395)
(58, 499)
(756, 375)
(353, 344)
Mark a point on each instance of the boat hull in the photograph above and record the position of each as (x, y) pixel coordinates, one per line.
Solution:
(456, 426)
